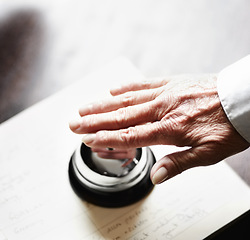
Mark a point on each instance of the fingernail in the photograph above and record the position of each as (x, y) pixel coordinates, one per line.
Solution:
(88, 138)
(74, 124)
(114, 90)
(160, 176)
(84, 110)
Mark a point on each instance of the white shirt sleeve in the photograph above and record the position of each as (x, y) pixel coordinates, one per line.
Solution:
(234, 93)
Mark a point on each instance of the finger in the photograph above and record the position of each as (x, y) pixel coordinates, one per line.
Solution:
(114, 103)
(132, 137)
(127, 162)
(108, 149)
(175, 163)
(119, 119)
(116, 153)
(117, 156)
(138, 86)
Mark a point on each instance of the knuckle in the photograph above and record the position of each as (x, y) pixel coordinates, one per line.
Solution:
(102, 138)
(88, 122)
(164, 81)
(172, 132)
(161, 106)
(146, 84)
(127, 100)
(120, 117)
(129, 137)
(168, 127)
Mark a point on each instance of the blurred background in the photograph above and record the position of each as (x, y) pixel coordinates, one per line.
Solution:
(47, 45)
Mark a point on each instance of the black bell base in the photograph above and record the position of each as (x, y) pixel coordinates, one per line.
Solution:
(112, 199)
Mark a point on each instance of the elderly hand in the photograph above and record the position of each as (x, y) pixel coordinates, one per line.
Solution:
(182, 111)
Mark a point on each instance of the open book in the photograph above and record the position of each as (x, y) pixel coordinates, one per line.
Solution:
(37, 202)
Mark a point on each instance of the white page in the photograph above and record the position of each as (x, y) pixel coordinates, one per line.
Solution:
(37, 202)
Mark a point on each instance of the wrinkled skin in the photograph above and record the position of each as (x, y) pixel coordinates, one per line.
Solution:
(184, 111)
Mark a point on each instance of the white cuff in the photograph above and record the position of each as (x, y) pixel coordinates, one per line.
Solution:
(234, 92)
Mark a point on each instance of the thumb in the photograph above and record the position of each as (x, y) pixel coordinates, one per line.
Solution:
(175, 163)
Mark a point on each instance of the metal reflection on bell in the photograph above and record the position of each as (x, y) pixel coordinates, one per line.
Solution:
(111, 177)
